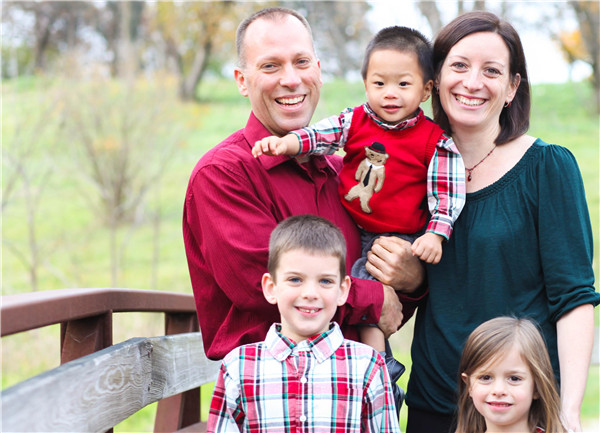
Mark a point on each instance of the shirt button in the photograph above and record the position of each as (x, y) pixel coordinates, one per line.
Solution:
(303, 418)
(303, 379)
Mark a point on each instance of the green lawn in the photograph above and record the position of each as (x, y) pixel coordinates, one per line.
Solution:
(74, 244)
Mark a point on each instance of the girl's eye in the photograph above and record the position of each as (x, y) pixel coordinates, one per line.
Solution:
(378, 83)
(485, 378)
(294, 280)
(404, 83)
(514, 379)
(326, 281)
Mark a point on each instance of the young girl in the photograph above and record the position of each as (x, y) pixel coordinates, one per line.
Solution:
(507, 380)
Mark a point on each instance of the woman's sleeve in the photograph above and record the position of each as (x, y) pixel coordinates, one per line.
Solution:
(565, 233)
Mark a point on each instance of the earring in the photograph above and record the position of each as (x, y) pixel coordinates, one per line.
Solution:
(507, 104)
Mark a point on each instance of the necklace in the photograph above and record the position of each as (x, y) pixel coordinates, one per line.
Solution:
(470, 170)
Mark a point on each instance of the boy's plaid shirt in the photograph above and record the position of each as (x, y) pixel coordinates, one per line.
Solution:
(323, 384)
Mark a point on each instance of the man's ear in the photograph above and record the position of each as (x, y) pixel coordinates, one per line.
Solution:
(268, 287)
(344, 290)
(240, 79)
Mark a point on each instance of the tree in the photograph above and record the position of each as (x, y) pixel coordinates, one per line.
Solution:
(571, 44)
(122, 139)
(340, 32)
(50, 27)
(24, 184)
(588, 16)
(192, 32)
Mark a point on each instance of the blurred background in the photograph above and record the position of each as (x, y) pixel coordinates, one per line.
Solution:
(108, 105)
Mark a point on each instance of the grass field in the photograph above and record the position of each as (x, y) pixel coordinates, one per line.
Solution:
(73, 243)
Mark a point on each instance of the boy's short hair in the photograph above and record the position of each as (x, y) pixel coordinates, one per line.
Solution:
(403, 39)
(310, 233)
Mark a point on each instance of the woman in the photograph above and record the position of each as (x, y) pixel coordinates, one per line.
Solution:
(522, 246)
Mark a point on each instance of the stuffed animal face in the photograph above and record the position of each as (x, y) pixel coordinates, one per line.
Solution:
(374, 157)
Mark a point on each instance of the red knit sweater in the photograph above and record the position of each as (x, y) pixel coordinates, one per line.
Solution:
(401, 205)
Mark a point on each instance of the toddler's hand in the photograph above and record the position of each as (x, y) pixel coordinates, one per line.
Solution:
(271, 146)
(428, 248)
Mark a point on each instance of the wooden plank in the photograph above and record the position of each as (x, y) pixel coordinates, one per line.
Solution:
(96, 392)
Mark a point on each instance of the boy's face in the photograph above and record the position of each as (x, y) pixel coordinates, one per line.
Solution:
(307, 290)
(394, 85)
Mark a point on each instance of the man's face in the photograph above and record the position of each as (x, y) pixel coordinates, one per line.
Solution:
(281, 74)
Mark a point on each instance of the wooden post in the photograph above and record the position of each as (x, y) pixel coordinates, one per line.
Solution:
(174, 413)
(81, 337)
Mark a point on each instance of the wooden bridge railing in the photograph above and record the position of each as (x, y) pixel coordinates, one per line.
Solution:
(98, 385)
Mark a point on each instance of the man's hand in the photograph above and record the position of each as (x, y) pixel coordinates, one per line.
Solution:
(391, 261)
(273, 146)
(391, 312)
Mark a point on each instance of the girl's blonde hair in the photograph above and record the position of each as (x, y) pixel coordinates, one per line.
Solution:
(487, 343)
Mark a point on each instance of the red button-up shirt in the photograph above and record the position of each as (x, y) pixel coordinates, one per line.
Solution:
(233, 202)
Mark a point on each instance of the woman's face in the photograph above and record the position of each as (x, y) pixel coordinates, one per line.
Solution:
(475, 83)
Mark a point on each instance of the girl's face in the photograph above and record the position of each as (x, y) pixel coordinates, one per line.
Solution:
(502, 392)
(475, 82)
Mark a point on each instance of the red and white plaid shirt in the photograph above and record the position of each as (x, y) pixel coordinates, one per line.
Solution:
(323, 384)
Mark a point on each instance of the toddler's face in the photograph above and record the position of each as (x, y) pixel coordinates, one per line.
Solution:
(394, 85)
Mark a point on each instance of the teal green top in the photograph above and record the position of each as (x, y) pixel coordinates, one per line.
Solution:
(522, 247)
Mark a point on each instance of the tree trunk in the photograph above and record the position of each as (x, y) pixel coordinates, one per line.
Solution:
(589, 22)
(430, 11)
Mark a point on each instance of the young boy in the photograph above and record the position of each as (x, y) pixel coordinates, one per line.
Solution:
(305, 374)
(396, 158)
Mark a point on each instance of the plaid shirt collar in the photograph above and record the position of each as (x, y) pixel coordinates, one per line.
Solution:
(401, 125)
(322, 346)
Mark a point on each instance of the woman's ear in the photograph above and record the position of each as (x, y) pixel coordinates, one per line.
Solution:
(514, 87)
(268, 287)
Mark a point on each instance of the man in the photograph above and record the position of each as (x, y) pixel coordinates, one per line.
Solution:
(234, 201)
